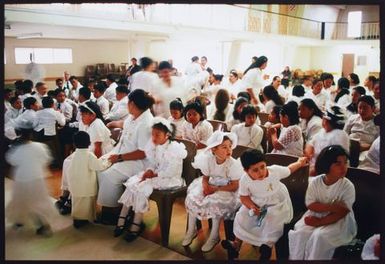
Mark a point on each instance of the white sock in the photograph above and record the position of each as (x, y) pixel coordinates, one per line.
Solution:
(123, 213)
(214, 233)
(191, 226)
(137, 220)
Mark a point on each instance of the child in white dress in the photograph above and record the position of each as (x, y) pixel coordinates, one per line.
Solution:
(311, 118)
(266, 204)
(197, 128)
(164, 172)
(331, 134)
(30, 202)
(82, 180)
(290, 141)
(248, 133)
(329, 221)
(235, 117)
(176, 118)
(214, 195)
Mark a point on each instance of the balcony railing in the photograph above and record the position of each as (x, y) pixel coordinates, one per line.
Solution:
(339, 31)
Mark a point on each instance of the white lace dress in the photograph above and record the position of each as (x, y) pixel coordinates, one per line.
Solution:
(220, 204)
(199, 134)
(291, 140)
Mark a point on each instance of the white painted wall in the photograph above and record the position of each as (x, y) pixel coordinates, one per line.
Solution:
(370, 13)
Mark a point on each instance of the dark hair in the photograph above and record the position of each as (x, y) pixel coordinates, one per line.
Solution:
(222, 99)
(197, 106)
(58, 90)
(100, 87)
(13, 100)
(291, 110)
(343, 83)
(234, 72)
(335, 118)
(195, 58)
(121, 89)
(276, 110)
(134, 59)
(73, 77)
(177, 104)
(248, 110)
(94, 107)
(145, 62)
(238, 102)
(209, 70)
(110, 77)
(298, 91)
(82, 140)
(218, 77)
(271, 93)
(355, 78)
(245, 95)
(164, 65)
(25, 134)
(47, 101)
(7, 90)
(260, 61)
(27, 86)
(315, 81)
(359, 89)
(309, 103)
(372, 78)
(141, 99)
(367, 99)
(85, 92)
(275, 78)
(28, 102)
(18, 84)
(251, 157)
(58, 80)
(122, 81)
(252, 66)
(341, 93)
(204, 57)
(327, 157)
(325, 75)
(51, 93)
(163, 128)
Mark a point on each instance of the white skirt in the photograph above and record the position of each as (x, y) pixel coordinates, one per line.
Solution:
(30, 204)
(271, 227)
(217, 205)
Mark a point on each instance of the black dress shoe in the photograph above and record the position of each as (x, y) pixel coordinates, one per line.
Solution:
(231, 250)
(265, 253)
(132, 235)
(80, 223)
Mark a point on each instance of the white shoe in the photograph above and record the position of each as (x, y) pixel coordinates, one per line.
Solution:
(188, 238)
(210, 244)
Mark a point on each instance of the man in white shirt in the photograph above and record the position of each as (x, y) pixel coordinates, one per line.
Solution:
(14, 110)
(62, 105)
(101, 101)
(27, 118)
(110, 93)
(194, 67)
(74, 92)
(66, 83)
(119, 110)
(59, 83)
(42, 90)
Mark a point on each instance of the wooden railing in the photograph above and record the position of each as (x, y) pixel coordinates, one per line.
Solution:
(339, 31)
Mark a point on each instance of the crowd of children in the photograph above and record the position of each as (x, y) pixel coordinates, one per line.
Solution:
(310, 121)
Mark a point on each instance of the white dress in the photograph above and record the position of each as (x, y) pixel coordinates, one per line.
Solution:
(364, 131)
(30, 198)
(135, 135)
(167, 161)
(104, 105)
(199, 134)
(368, 250)
(318, 243)
(268, 192)
(219, 204)
(311, 128)
(179, 123)
(143, 80)
(291, 140)
(371, 161)
(323, 139)
(249, 136)
(254, 79)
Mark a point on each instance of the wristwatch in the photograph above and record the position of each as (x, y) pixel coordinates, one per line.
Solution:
(120, 158)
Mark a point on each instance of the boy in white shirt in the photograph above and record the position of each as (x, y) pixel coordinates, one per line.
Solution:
(119, 110)
(101, 101)
(62, 105)
(14, 110)
(110, 92)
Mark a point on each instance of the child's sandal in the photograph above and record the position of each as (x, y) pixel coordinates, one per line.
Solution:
(119, 229)
(132, 235)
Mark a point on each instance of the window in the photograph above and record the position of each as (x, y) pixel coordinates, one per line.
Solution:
(43, 55)
(354, 24)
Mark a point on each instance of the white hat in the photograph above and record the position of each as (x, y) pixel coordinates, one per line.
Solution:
(217, 138)
(163, 121)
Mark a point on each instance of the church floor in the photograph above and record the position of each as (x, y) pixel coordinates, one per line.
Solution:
(96, 242)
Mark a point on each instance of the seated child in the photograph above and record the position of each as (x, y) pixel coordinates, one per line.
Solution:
(164, 172)
(82, 180)
(329, 221)
(176, 118)
(266, 204)
(214, 195)
(249, 134)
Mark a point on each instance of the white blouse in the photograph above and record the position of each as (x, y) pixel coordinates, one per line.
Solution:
(249, 136)
(199, 134)
(364, 131)
(179, 123)
(119, 110)
(104, 105)
(312, 127)
(46, 119)
(371, 161)
(110, 93)
(291, 140)
(143, 80)
(254, 79)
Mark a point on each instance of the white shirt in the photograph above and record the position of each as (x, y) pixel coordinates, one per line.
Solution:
(119, 110)
(143, 80)
(282, 92)
(364, 131)
(344, 101)
(46, 119)
(199, 134)
(24, 96)
(39, 98)
(7, 104)
(74, 93)
(193, 69)
(11, 113)
(25, 120)
(179, 123)
(254, 79)
(249, 136)
(295, 99)
(269, 106)
(323, 139)
(320, 99)
(236, 87)
(371, 161)
(110, 93)
(104, 105)
(194, 84)
(291, 140)
(82, 180)
(98, 132)
(312, 127)
(66, 109)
